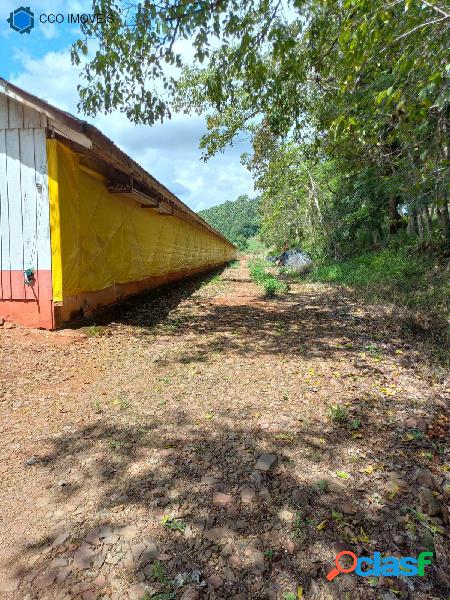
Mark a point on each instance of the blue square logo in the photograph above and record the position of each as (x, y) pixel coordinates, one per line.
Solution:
(21, 19)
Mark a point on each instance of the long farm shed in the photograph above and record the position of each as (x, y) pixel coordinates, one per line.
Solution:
(81, 224)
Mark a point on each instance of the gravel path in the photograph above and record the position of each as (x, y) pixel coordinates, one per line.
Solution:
(209, 443)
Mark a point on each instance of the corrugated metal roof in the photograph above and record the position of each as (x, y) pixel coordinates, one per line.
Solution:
(101, 144)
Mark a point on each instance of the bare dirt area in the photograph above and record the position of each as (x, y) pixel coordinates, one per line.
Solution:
(206, 442)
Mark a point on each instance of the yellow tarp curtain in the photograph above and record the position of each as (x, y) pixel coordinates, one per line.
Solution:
(99, 239)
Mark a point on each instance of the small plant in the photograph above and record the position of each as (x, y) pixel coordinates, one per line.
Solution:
(427, 454)
(122, 402)
(338, 413)
(322, 485)
(355, 424)
(173, 523)
(289, 596)
(337, 516)
(268, 553)
(257, 270)
(342, 474)
(270, 284)
(158, 573)
(414, 435)
(234, 264)
(291, 274)
(95, 331)
(299, 524)
(374, 351)
(98, 407)
(115, 444)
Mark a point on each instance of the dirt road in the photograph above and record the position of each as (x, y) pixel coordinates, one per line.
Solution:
(210, 443)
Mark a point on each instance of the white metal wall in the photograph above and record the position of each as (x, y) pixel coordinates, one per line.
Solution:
(24, 204)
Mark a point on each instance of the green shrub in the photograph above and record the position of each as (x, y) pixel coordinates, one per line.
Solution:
(398, 276)
(257, 270)
(270, 284)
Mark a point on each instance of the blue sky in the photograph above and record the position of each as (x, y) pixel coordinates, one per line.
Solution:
(40, 63)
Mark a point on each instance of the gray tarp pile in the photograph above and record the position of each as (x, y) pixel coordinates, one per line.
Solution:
(293, 259)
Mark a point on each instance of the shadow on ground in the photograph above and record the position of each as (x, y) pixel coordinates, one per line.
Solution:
(148, 308)
(231, 526)
(173, 504)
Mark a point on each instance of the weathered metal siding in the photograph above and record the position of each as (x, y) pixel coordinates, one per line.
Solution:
(24, 208)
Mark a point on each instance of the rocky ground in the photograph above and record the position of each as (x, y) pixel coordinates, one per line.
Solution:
(208, 443)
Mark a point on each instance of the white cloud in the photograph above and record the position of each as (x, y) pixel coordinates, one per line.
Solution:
(50, 31)
(169, 151)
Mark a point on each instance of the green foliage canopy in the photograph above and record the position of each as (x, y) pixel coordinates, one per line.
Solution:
(347, 103)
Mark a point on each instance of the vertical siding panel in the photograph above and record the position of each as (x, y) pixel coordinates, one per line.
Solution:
(31, 118)
(15, 211)
(44, 260)
(28, 189)
(3, 112)
(5, 263)
(15, 116)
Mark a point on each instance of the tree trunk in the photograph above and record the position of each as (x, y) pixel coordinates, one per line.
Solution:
(412, 226)
(427, 220)
(420, 225)
(431, 211)
(444, 221)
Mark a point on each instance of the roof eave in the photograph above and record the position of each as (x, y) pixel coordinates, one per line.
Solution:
(91, 138)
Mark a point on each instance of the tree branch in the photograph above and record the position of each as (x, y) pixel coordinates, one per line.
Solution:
(415, 29)
(436, 8)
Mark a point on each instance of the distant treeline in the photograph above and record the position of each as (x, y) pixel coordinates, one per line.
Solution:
(237, 220)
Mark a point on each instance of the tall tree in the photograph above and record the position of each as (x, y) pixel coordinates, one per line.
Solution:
(364, 83)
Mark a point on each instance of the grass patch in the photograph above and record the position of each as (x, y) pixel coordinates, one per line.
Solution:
(115, 444)
(269, 283)
(256, 246)
(289, 274)
(415, 285)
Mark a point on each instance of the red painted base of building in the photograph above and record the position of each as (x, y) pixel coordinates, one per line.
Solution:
(28, 305)
(32, 306)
